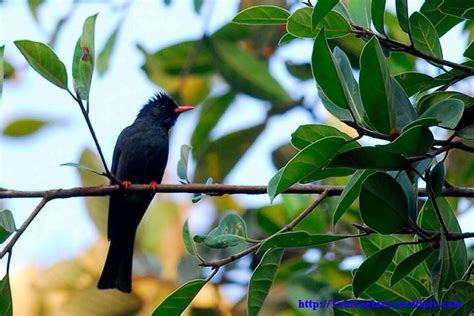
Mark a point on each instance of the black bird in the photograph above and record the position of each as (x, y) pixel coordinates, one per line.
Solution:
(140, 156)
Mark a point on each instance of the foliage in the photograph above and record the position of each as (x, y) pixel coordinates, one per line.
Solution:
(410, 253)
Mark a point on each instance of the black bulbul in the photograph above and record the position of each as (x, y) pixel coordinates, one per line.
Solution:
(140, 156)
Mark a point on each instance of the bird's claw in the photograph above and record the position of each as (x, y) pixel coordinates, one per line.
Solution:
(153, 185)
(126, 184)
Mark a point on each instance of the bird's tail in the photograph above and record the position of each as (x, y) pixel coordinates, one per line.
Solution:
(117, 272)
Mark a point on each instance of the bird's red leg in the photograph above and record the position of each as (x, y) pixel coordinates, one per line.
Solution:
(153, 184)
(126, 184)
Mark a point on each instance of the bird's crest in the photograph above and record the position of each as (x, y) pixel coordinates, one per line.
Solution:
(161, 98)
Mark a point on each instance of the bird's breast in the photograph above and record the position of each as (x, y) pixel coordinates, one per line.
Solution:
(145, 158)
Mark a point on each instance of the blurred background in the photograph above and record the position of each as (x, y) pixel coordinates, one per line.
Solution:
(240, 134)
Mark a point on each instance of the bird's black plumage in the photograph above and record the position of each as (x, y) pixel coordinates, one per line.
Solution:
(140, 156)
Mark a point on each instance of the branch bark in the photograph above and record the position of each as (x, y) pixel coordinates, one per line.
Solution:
(210, 189)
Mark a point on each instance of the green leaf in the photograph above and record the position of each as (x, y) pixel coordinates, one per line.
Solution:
(299, 239)
(328, 172)
(414, 82)
(442, 22)
(172, 59)
(421, 122)
(351, 87)
(383, 204)
(413, 142)
(300, 71)
(437, 176)
(424, 36)
(182, 168)
(7, 225)
(308, 134)
(457, 249)
(106, 52)
(372, 269)
(84, 58)
(447, 112)
(81, 167)
(307, 161)
(334, 24)
(188, 240)
(469, 52)
(6, 305)
(286, 38)
(23, 127)
(79, 86)
(402, 15)
(44, 61)
(405, 290)
(34, 5)
(408, 264)
(247, 74)
(2, 74)
(262, 279)
(211, 111)
(197, 5)
(231, 231)
(376, 87)
(350, 193)
(326, 72)
(404, 111)
(360, 12)
(410, 188)
(458, 299)
(262, 14)
(340, 113)
(176, 302)
(219, 157)
(370, 158)
(466, 132)
(429, 100)
(440, 270)
(378, 14)
(460, 8)
(320, 10)
(198, 196)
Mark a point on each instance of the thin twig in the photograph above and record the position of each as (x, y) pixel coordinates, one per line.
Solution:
(211, 189)
(398, 46)
(469, 271)
(432, 198)
(23, 227)
(449, 143)
(85, 114)
(215, 264)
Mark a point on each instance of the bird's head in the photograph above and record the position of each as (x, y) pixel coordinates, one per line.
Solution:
(162, 110)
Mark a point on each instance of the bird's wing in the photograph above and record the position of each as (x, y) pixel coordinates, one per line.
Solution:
(115, 199)
(116, 157)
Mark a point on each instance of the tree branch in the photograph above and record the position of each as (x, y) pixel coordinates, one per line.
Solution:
(210, 189)
(361, 32)
(219, 263)
(23, 227)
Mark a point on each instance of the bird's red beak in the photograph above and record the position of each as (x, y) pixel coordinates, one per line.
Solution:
(183, 108)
